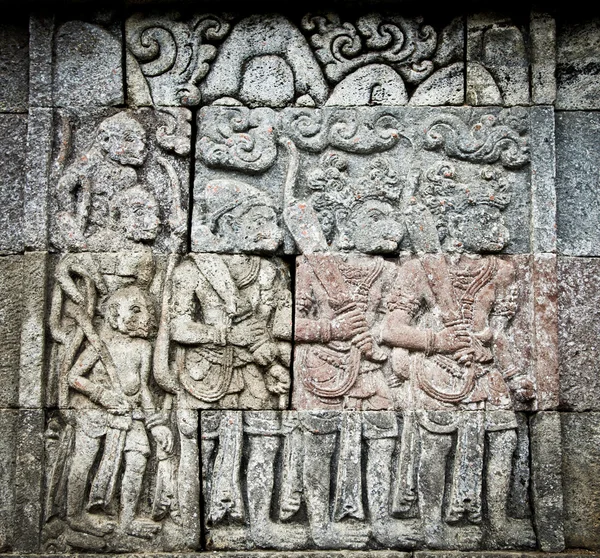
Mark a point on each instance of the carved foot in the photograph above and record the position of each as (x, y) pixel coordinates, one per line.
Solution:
(511, 533)
(398, 533)
(91, 524)
(338, 535)
(142, 528)
(444, 537)
(280, 536)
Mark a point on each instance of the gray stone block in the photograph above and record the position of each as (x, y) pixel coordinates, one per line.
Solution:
(577, 192)
(41, 31)
(577, 65)
(318, 172)
(542, 28)
(581, 470)
(13, 137)
(14, 62)
(578, 333)
(11, 298)
(497, 61)
(8, 443)
(547, 481)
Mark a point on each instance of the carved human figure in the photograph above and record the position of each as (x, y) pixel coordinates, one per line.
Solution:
(85, 190)
(448, 317)
(113, 403)
(231, 327)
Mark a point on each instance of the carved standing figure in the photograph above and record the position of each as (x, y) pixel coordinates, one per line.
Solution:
(448, 317)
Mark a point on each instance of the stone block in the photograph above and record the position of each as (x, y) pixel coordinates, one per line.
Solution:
(497, 61)
(41, 32)
(578, 329)
(266, 60)
(365, 480)
(120, 180)
(11, 298)
(8, 443)
(547, 480)
(223, 338)
(14, 62)
(13, 137)
(542, 28)
(305, 180)
(577, 63)
(28, 480)
(577, 193)
(581, 466)
(433, 332)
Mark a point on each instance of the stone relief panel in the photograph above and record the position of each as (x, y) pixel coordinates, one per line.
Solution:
(310, 180)
(332, 479)
(120, 180)
(267, 61)
(140, 343)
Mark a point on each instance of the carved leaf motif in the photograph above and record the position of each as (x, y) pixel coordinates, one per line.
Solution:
(176, 132)
(489, 140)
(238, 139)
(405, 44)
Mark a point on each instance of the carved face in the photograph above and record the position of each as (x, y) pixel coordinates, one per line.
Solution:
(375, 227)
(255, 230)
(478, 229)
(125, 142)
(138, 216)
(130, 313)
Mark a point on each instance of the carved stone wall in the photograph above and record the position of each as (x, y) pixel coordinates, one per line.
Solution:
(318, 283)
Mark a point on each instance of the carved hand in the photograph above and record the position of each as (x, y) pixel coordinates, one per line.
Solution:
(348, 325)
(265, 354)
(278, 379)
(163, 437)
(523, 389)
(451, 339)
(245, 333)
(114, 402)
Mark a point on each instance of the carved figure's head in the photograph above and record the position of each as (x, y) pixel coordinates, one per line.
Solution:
(123, 139)
(135, 214)
(361, 215)
(469, 216)
(129, 311)
(242, 216)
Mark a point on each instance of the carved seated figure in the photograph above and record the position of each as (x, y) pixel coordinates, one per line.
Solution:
(112, 401)
(87, 187)
(448, 316)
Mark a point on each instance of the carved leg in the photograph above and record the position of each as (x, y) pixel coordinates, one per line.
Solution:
(431, 484)
(317, 478)
(131, 488)
(84, 455)
(188, 484)
(387, 531)
(261, 480)
(505, 532)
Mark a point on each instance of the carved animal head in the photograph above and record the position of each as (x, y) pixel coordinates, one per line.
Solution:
(123, 139)
(129, 311)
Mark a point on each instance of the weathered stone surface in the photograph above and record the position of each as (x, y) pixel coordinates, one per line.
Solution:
(13, 137)
(577, 192)
(331, 479)
(41, 31)
(323, 171)
(120, 180)
(497, 61)
(11, 297)
(8, 443)
(14, 62)
(577, 65)
(581, 463)
(278, 554)
(29, 499)
(578, 327)
(87, 62)
(542, 29)
(547, 480)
